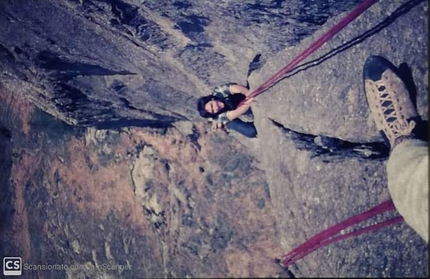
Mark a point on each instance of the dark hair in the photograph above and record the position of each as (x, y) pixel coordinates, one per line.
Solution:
(202, 101)
(230, 103)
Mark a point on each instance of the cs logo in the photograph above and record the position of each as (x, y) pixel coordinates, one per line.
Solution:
(12, 266)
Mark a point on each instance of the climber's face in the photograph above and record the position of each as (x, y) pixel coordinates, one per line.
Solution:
(214, 106)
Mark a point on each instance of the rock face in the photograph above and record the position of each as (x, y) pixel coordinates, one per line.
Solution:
(131, 203)
(104, 159)
(104, 63)
(324, 99)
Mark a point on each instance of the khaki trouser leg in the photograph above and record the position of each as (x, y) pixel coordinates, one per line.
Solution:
(408, 183)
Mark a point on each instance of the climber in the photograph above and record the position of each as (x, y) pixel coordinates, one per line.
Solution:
(221, 107)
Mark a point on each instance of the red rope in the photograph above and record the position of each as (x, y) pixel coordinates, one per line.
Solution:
(326, 237)
(292, 259)
(385, 206)
(327, 36)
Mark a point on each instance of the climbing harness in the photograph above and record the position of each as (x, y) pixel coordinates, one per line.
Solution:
(334, 233)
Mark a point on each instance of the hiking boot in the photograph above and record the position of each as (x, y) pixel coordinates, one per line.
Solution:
(389, 100)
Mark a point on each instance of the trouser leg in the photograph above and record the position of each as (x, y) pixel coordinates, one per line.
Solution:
(246, 129)
(407, 171)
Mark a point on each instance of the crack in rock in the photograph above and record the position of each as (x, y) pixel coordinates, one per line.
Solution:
(70, 69)
(330, 148)
(289, 272)
(256, 64)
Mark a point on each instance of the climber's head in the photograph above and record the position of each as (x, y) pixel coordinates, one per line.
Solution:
(210, 106)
